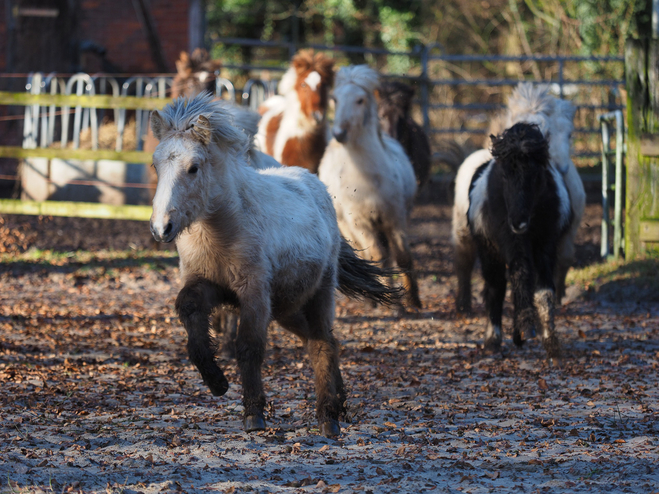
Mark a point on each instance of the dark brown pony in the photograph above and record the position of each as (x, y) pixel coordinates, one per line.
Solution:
(293, 129)
(394, 112)
(196, 73)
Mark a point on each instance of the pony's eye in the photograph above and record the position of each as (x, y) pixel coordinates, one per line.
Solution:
(303, 85)
(193, 169)
(360, 101)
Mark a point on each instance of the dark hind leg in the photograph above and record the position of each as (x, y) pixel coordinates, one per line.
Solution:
(314, 326)
(403, 255)
(544, 298)
(494, 273)
(250, 351)
(225, 324)
(194, 305)
(522, 279)
(565, 251)
(465, 257)
(562, 267)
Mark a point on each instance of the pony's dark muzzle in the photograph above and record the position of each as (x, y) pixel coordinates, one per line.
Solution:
(318, 116)
(341, 136)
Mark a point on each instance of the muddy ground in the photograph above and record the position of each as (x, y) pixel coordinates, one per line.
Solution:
(97, 393)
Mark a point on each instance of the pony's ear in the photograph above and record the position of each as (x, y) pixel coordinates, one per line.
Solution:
(183, 64)
(158, 125)
(202, 130)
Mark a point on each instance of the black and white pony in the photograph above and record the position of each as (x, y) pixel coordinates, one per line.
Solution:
(534, 105)
(519, 210)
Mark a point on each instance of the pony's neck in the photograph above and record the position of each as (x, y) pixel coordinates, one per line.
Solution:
(230, 175)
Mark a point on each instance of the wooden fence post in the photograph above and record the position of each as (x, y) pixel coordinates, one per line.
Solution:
(642, 193)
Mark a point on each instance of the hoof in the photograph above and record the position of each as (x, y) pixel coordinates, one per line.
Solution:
(219, 386)
(331, 428)
(520, 336)
(254, 423)
(463, 310)
(492, 344)
(553, 348)
(414, 300)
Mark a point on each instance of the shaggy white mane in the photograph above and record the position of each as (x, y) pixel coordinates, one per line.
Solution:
(529, 98)
(229, 126)
(533, 104)
(361, 75)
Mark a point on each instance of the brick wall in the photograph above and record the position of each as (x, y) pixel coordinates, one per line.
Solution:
(114, 25)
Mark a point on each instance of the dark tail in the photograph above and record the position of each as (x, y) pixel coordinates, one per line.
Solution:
(359, 278)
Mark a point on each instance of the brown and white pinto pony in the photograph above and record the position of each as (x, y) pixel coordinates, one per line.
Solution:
(293, 128)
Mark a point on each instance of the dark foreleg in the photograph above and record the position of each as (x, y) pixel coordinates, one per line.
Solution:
(194, 305)
(465, 257)
(494, 293)
(225, 324)
(522, 279)
(250, 352)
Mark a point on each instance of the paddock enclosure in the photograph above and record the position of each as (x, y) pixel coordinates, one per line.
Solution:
(98, 394)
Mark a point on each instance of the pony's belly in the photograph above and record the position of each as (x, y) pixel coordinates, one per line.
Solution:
(291, 289)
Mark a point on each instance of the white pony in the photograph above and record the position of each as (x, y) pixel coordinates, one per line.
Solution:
(248, 122)
(265, 242)
(532, 104)
(369, 176)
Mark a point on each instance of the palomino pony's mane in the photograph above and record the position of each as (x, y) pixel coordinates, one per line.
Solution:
(183, 114)
(360, 75)
(303, 62)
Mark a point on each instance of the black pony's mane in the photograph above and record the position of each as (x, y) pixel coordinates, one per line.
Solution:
(521, 141)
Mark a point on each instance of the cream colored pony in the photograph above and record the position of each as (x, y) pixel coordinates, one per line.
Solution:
(369, 176)
(265, 242)
(532, 104)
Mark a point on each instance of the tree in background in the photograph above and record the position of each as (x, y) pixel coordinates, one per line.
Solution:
(513, 27)
(472, 27)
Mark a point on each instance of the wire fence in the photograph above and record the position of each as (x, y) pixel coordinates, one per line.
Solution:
(452, 108)
(455, 104)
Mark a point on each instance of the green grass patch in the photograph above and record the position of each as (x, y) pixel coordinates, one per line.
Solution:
(90, 263)
(638, 278)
